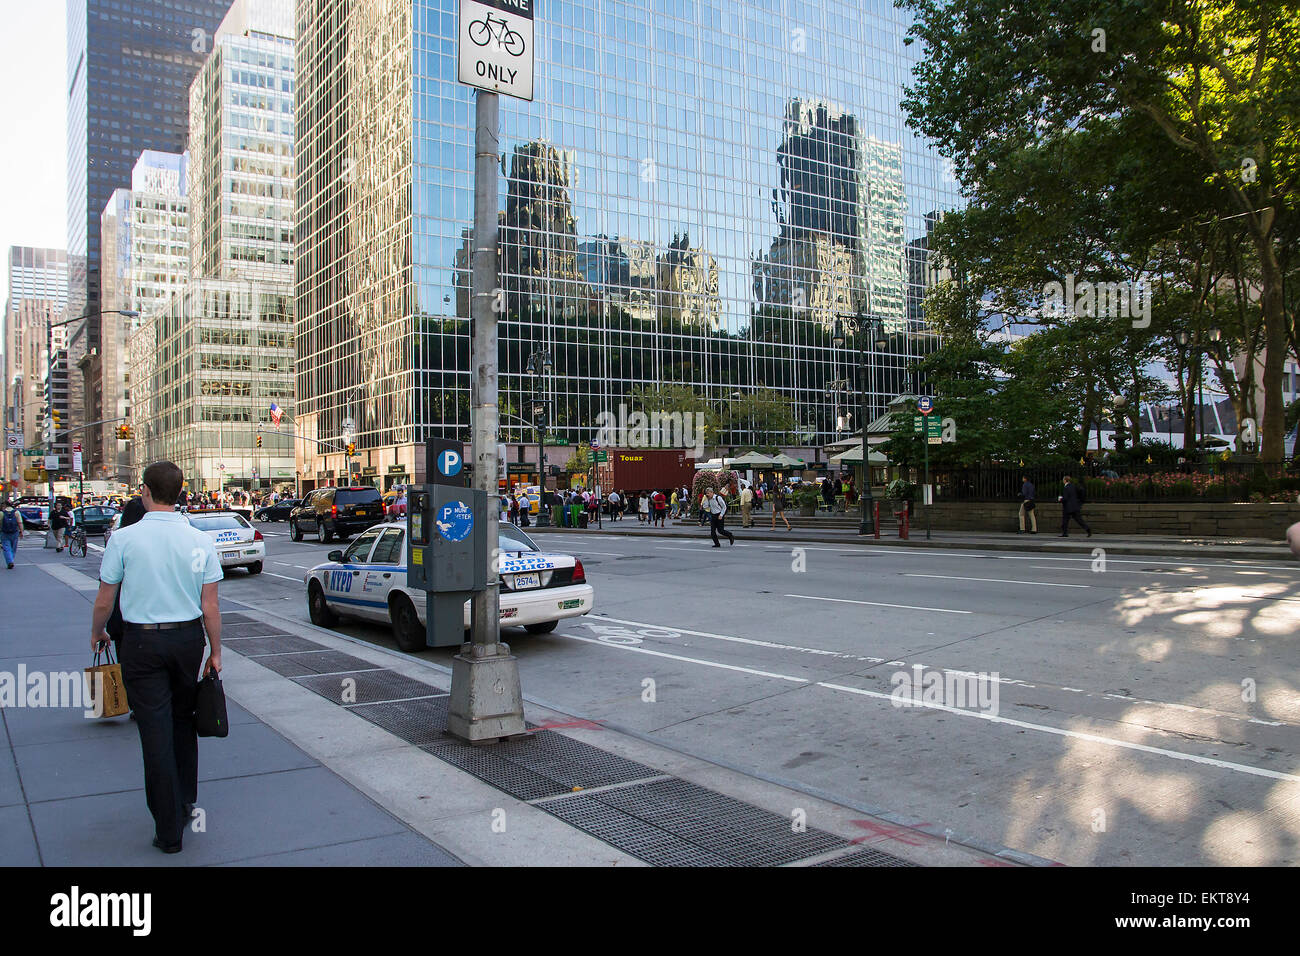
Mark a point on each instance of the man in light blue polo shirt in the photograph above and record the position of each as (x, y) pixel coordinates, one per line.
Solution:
(168, 573)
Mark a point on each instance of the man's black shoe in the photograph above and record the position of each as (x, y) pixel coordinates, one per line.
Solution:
(717, 545)
(166, 847)
(1063, 535)
(1090, 532)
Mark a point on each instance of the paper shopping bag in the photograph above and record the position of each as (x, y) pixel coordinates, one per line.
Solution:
(105, 688)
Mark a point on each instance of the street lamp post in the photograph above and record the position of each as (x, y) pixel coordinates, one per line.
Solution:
(540, 364)
(864, 328)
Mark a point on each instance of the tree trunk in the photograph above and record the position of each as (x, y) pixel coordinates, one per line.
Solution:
(1273, 427)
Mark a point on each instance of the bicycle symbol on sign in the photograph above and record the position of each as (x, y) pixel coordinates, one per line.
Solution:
(490, 28)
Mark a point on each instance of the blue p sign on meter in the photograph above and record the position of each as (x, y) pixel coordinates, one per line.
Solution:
(455, 521)
(449, 463)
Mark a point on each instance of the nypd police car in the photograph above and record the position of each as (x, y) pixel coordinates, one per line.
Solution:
(238, 543)
(368, 581)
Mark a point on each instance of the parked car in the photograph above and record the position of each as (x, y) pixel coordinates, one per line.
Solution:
(331, 513)
(368, 581)
(95, 519)
(278, 511)
(35, 512)
(238, 543)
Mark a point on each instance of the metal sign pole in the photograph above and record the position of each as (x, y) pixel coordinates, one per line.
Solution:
(486, 700)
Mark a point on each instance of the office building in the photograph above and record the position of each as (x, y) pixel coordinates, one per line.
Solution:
(206, 368)
(129, 68)
(145, 243)
(698, 192)
(38, 291)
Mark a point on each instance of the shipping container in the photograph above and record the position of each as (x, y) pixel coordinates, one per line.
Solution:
(644, 469)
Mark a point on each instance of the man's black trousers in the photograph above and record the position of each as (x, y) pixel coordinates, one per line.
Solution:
(715, 527)
(161, 672)
(1065, 522)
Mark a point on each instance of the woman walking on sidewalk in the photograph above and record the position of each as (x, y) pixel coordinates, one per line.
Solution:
(778, 506)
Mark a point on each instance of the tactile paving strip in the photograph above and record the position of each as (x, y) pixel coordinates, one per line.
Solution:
(370, 686)
(867, 857)
(314, 662)
(255, 646)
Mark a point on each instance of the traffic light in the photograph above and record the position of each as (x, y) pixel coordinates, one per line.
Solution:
(56, 416)
(352, 448)
(259, 441)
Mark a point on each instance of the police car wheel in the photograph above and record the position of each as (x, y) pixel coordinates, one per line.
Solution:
(255, 567)
(407, 629)
(543, 628)
(319, 611)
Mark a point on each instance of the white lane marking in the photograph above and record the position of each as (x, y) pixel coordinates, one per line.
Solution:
(614, 554)
(1078, 735)
(94, 547)
(736, 640)
(283, 577)
(664, 547)
(689, 660)
(905, 607)
(958, 577)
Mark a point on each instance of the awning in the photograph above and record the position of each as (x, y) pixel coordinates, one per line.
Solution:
(753, 460)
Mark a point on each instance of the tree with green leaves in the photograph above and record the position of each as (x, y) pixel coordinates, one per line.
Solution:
(1018, 91)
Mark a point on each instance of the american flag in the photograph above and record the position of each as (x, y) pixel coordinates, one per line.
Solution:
(276, 414)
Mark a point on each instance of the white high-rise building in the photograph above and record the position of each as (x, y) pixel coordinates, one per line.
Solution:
(145, 260)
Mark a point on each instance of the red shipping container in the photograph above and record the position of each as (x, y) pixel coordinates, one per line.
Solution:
(644, 469)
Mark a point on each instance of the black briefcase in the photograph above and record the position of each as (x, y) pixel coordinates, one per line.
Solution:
(210, 708)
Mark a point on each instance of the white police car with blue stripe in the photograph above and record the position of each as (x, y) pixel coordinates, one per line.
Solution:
(368, 581)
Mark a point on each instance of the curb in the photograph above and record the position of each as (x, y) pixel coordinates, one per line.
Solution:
(1239, 552)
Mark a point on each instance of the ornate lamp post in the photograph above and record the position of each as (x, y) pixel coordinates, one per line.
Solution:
(541, 364)
(864, 329)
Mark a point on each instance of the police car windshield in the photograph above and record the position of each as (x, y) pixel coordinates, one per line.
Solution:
(513, 540)
(218, 522)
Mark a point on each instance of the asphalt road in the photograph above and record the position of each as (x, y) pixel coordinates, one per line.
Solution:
(1136, 710)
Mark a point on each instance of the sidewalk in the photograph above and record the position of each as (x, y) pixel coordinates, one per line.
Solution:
(337, 757)
(1045, 541)
(72, 788)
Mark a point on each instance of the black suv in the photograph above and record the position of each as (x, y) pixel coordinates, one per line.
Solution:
(336, 512)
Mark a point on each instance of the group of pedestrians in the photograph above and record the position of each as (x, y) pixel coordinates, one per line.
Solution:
(1072, 499)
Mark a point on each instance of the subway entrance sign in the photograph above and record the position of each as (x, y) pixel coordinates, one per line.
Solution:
(496, 46)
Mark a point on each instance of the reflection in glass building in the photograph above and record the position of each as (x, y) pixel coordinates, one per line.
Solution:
(699, 191)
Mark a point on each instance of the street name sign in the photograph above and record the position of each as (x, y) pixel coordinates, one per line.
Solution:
(496, 46)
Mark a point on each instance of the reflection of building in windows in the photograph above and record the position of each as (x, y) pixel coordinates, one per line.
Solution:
(840, 208)
(688, 285)
(539, 244)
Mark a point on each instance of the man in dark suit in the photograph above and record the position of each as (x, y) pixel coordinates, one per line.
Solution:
(1072, 507)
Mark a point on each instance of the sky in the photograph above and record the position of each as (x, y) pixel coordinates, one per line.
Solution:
(33, 161)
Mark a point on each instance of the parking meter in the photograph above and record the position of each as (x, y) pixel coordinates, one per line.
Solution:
(447, 554)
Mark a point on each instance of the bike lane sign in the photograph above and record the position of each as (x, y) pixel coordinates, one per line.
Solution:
(496, 46)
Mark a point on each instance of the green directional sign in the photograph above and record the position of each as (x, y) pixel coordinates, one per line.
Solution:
(931, 426)
(602, 455)
(34, 452)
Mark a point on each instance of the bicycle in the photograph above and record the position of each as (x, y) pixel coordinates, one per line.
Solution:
(507, 39)
(77, 542)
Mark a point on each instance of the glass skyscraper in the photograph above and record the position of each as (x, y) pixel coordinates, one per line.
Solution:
(698, 192)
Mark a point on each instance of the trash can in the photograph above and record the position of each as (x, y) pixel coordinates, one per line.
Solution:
(582, 519)
(574, 512)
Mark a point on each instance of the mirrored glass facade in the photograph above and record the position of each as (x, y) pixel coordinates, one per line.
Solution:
(698, 192)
